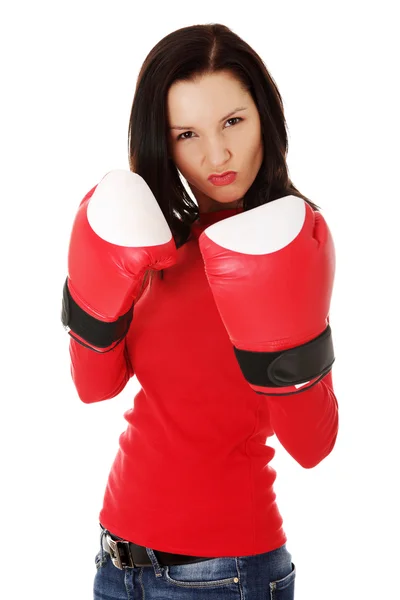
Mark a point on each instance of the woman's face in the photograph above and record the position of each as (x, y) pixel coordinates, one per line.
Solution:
(214, 127)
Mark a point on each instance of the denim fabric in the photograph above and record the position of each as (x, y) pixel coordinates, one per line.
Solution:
(267, 576)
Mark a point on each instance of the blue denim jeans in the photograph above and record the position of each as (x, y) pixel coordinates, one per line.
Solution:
(267, 576)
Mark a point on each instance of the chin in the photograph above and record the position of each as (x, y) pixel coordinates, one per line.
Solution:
(228, 204)
(230, 200)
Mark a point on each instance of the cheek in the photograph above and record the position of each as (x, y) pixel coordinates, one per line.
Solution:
(185, 159)
(254, 150)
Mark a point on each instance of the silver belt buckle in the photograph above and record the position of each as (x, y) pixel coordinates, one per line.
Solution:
(120, 561)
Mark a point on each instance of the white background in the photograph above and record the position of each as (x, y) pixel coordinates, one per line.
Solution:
(68, 76)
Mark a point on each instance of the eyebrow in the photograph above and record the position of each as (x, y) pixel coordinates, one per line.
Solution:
(223, 119)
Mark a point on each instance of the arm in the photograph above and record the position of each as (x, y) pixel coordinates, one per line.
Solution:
(307, 424)
(118, 234)
(99, 376)
(271, 271)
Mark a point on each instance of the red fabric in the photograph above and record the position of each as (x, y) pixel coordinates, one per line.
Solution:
(192, 474)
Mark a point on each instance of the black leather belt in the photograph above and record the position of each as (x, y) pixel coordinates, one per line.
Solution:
(127, 554)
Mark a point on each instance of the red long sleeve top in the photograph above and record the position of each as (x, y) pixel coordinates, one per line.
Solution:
(192, 474)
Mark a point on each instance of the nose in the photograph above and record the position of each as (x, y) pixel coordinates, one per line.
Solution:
(217, 153)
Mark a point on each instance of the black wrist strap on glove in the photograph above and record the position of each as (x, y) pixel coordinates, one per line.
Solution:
(288, 367)
(95, 332)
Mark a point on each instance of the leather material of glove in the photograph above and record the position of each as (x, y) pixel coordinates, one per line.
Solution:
(271, 271)
(118, 233)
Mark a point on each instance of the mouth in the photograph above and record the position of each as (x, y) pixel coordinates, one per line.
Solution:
(223, 179)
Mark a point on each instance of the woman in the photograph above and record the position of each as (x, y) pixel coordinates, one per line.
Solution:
(202, 301)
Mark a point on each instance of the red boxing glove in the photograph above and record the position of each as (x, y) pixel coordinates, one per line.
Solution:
(119, 232)
(271, 271)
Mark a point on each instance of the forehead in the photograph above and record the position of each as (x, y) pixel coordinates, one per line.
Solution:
(209, 94)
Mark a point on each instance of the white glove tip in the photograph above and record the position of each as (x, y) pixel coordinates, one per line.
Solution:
(124, 211)
(261, 230)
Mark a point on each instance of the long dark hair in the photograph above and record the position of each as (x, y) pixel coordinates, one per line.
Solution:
(184, 54)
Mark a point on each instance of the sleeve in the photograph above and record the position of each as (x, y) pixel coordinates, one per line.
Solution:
(102, 375)
(306, 424)
(99, 376)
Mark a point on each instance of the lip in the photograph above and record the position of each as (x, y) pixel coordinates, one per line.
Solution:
(223, 179)
(220, 174)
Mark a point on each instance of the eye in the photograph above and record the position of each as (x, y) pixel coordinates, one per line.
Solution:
(235, 119)
(182, 136)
